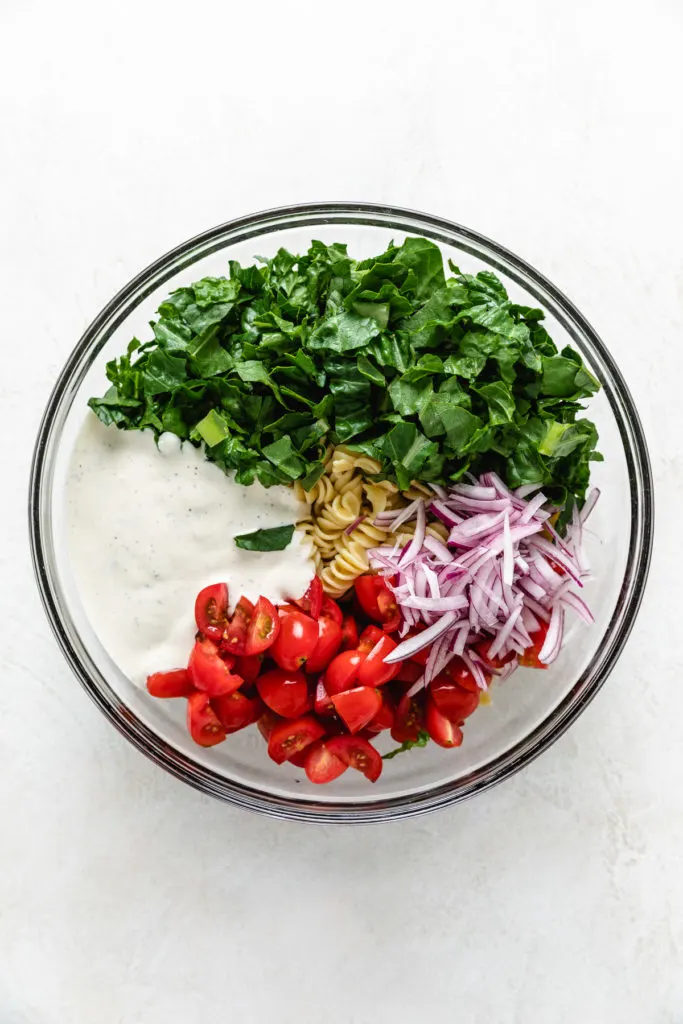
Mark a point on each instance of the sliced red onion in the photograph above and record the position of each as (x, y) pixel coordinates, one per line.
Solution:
(439, 491)
(354, 524)
(477, 491)
(421, 640)
(500, 639)
(438, 549)
(508, 559)
(526, 489)
(553, 640)
(589, 504)
(573, 601)
(413, 549)
(446, 515)
(435, 604)
(533, 507)
(476, 670)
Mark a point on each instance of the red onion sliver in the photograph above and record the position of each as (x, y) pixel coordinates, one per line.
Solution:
(421, 640)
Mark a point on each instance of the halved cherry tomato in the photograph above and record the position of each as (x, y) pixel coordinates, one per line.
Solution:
(211, 611)
(357, 707)
(263, 629)
(441, 729)
(209, 672)
(409, 672)
(320, 765)
(420, 657)
(296, 640)
(349, 633)
(299, 760)
(332, 610)
(312, 601)
(293, 736)
(374, 671)
(357, 753)
(530, 657)
(378, 601)
(249, 667)
(323, 702)
(267, 723)
(202, 722)
(384, 719)
(329, 642)
(170, 684)
(457, 670)
(285, 693)
(370, 636)
(342, 672)
(235, 711)
(496, 661)
(408, 720)
(235, 636)
(453, 701)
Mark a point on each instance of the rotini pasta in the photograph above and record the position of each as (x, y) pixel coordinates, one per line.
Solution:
(344, 504)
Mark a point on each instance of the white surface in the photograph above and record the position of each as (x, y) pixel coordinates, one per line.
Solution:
(126, 897)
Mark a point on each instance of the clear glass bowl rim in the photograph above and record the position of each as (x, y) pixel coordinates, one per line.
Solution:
(640, 480)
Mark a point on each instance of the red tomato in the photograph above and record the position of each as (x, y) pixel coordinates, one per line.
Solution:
(408, 720)
(408, 672)
(483, 648)
(249, 667)
(342, 672)
(370, 636)
(285, 693)
(321, 766)
(357, 707)
(530, 657)
(453, 701)
(235, 636)
(378, 601)
(458, 671)
(263, 628)
(211, 611)
(374, 671)
(329, 642)
(323, 704)
(384, 719)
(267, 723)
(202, 722)
(357, 753)
(236, 711)
(170, 684)
(332, 610)
(292, 737)
(420, 657)
(349, 633)
(312, 601)
(296, 640)
(209, 672)
(441, 729)
(299, 760)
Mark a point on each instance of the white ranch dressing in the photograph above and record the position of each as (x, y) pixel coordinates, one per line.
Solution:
(149, 527)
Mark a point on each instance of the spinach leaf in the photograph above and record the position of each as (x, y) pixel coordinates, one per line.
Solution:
(276, 538)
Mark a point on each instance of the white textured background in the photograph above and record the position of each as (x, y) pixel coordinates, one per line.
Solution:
(554, 128)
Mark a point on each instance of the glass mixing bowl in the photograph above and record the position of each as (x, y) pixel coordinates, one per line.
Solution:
(527, 712)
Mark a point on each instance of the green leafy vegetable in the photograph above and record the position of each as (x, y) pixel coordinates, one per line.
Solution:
(275, 539)
(434, 376)
(421, 741)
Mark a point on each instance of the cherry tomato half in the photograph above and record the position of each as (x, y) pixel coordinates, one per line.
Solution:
(408, 720)
(384, 719)
(209, 672)
(323, 702)
(267, 723)
(285, 692)
(296, 640)
(170, 684)
(408, 672)
(441, 729)
(357, 753)
(235, 711)
(342, 672)
(312, 601)
(378, 601)
(370, 636)
(357, 707)
(349, 633)
(202, 722)
(249, 667)
(235, 636)
(211, 611)
(332, 610)
(458, 671)
(374, 671)
(320, 765)
(263, 628)
(530, 657)
(293, 736)
(453, 701)
(483, 648)
(329, 642)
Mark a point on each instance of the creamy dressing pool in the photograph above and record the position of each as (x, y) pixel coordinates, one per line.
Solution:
(149, 527)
